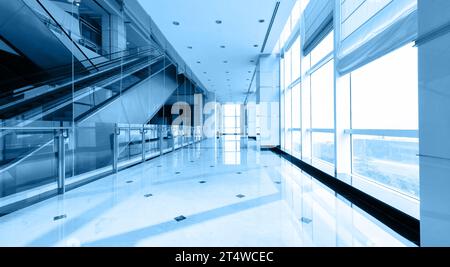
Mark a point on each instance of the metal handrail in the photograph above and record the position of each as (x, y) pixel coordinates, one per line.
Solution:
(63, 134)
(64, 75)
(68, 83)
(35, 128)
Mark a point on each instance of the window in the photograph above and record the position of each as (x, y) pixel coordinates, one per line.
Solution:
(296, 59)
(322, 97)
(232, 119)
(288, 120)
(287, 68)
(384, 136)
(282, 126)
(322, 113)
(324, 48)
(282, 100)
(296, 131)
(381, 87)
(377, 112)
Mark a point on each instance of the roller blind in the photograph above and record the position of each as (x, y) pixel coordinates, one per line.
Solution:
(318, 21)
(369, 29)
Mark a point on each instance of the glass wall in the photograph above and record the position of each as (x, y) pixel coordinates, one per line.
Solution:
(377, 103)
(68, 102)
(290, 95)
(231, 119)
(322, 113)
(385, 121)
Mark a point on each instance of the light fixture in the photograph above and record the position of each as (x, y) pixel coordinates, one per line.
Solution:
(227, 72)
(189, 47)
(255, 45)
(261, 21)
(176, 23)
(198, 62)
(252, 61)
(218, 21)
(222, 46)
(249, 71)
(204, 72)
(225, 61)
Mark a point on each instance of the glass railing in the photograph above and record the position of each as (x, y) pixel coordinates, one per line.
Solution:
(88, 92)
(47, 160)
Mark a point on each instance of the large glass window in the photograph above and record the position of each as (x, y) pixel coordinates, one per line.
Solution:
(296, 59)
(322, 97)
(376, 107)
(296, 130)
(282, 106)
(232, 119)
(324, 48)
(385, 111)
(322, 113)
(287, 68)
(288, 120)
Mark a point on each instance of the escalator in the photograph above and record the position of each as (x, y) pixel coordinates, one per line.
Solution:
(74, 95)
(83, 99)
(53, 44)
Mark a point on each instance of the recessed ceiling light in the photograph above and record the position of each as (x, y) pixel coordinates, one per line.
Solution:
(225, 61)
(248, 79)
(261, 21)
(198, 62)
(222, 46)
(228, 80)
(255, 45)
(218, 21)
(227, 72)
(176, 23)
(249, 71)
(189, 47)
(252, 61)
(204, 72)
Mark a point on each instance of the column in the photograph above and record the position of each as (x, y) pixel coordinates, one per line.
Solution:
(268, 99)
(434, 121)
(113, 33)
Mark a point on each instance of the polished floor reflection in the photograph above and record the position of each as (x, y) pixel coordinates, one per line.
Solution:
(222, 192)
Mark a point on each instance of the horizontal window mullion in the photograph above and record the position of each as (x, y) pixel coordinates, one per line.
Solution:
(384, 132)
(320, 130)
(320, 64)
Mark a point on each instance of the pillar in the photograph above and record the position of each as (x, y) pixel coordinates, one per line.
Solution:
(268, 99)
(434, 121)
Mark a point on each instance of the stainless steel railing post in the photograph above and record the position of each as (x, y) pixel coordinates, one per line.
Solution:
(61, 136)
(116, 149)
(160, 142)
(173, 139)
(143, 131)
(183, 138)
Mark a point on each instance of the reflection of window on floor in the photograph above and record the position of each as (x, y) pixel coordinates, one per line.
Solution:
(231, 150)
(231, 119)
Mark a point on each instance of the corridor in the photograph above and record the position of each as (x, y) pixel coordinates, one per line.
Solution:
(223, 192)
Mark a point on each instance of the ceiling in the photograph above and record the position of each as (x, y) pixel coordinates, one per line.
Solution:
(223, 56)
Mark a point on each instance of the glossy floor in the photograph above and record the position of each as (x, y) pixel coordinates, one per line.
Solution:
(216, 193)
